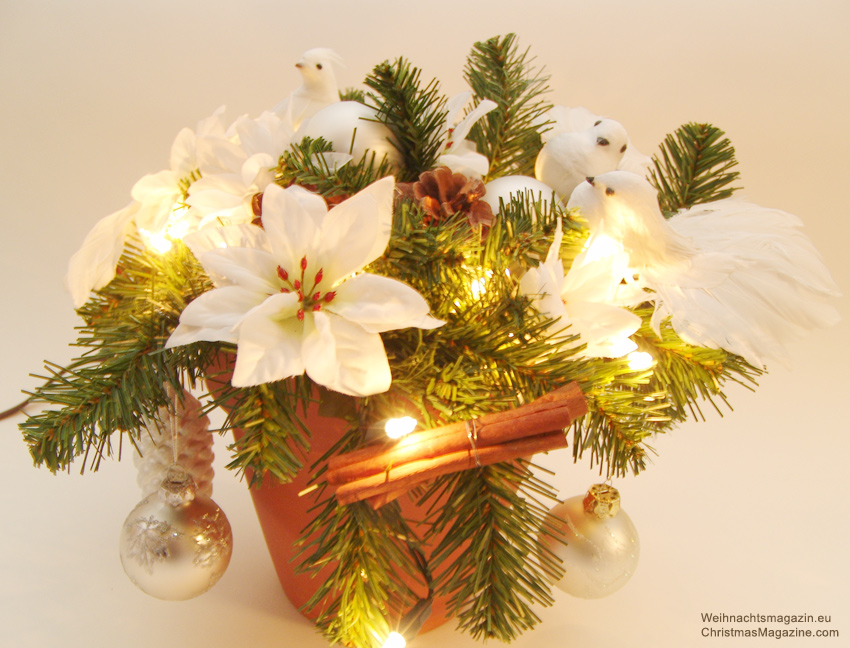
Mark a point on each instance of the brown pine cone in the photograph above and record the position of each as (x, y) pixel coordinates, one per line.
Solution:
(442, 194)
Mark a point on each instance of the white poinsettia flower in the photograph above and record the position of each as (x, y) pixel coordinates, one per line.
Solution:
(152, 211)
(236, 167)
(459, 154)
(588, 301)
(158, 193)
(292, 297)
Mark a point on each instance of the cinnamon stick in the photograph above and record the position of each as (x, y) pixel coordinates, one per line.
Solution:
(396, 479)
(553, 411)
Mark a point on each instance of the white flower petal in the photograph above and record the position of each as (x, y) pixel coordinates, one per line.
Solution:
(343, 357)
(93, 265)
(213, 315)
(357, 231)
(604, 328)
(211, 238)
(313, 204)
(291, 231)
(454, 105)
(256, 171)
(155, 212)
(470, 164)
(269, 348)
(216, 155)
(255, 270)
(484, 106)
(378, 303)
(538, 284)
(182, 159)
(155, 184)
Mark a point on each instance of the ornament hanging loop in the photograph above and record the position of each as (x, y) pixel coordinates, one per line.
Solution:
(602, 501)
(178, 487)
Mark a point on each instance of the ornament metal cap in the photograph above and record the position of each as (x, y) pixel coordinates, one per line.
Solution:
(178, 487)
(602, 501)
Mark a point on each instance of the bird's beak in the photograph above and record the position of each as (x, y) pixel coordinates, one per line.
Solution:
(299, 65)
(590, 180)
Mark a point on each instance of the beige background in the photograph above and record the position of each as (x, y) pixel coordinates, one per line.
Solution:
(744, 514)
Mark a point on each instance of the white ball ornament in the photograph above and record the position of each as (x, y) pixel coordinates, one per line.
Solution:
(176, 544)
(596, 541)
(350, 127)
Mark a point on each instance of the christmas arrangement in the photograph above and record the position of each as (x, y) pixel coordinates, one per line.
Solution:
(398, 298)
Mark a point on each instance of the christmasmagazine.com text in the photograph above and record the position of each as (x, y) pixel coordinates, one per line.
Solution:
(773, 626)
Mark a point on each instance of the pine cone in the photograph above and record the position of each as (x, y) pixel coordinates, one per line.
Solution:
(194, 444)
(442, 194)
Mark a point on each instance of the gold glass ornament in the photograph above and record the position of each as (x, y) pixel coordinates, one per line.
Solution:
(596, 541)
(176, 544)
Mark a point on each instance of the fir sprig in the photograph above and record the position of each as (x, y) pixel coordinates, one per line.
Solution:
(694, 167)
(119, 379)
(305, 164)
(414, 114)
(271, 438)
(365, 561)
(509, 135)
(689, 374)
(488, 560)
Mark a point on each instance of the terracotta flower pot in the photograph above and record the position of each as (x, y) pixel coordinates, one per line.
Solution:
(283, 514)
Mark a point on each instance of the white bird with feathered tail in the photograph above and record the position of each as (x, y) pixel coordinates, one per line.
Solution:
(318, 89)
(729, 274)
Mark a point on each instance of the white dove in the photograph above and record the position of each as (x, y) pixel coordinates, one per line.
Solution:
(568, 158)
(729, 274)
(318, 90)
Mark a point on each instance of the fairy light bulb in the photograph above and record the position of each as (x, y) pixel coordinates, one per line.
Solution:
(395, 640)
(640, 360)
(399, 427)
(179, 223)
(156, 241)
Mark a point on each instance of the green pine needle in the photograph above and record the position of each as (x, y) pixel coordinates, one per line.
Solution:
(694, 167)
(118, 380)
(509, 135)
(414, 115)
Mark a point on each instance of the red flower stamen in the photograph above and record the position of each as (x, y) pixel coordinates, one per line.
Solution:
(283, 274)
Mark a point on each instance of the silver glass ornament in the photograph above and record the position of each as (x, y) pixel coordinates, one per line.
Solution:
(176, 544)
(596, 541)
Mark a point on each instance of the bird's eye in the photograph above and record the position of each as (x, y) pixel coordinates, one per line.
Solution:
(623, 150)
(602, 141)
(598, 122)
(318, 66)
(609, 191)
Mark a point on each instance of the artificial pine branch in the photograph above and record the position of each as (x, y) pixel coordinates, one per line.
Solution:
(691, 374)
(272, 440)
(303, 164)
(414, 115)
(509, 135)
(119, 379)
(694, 167)
(367, 560)
(488, 559)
